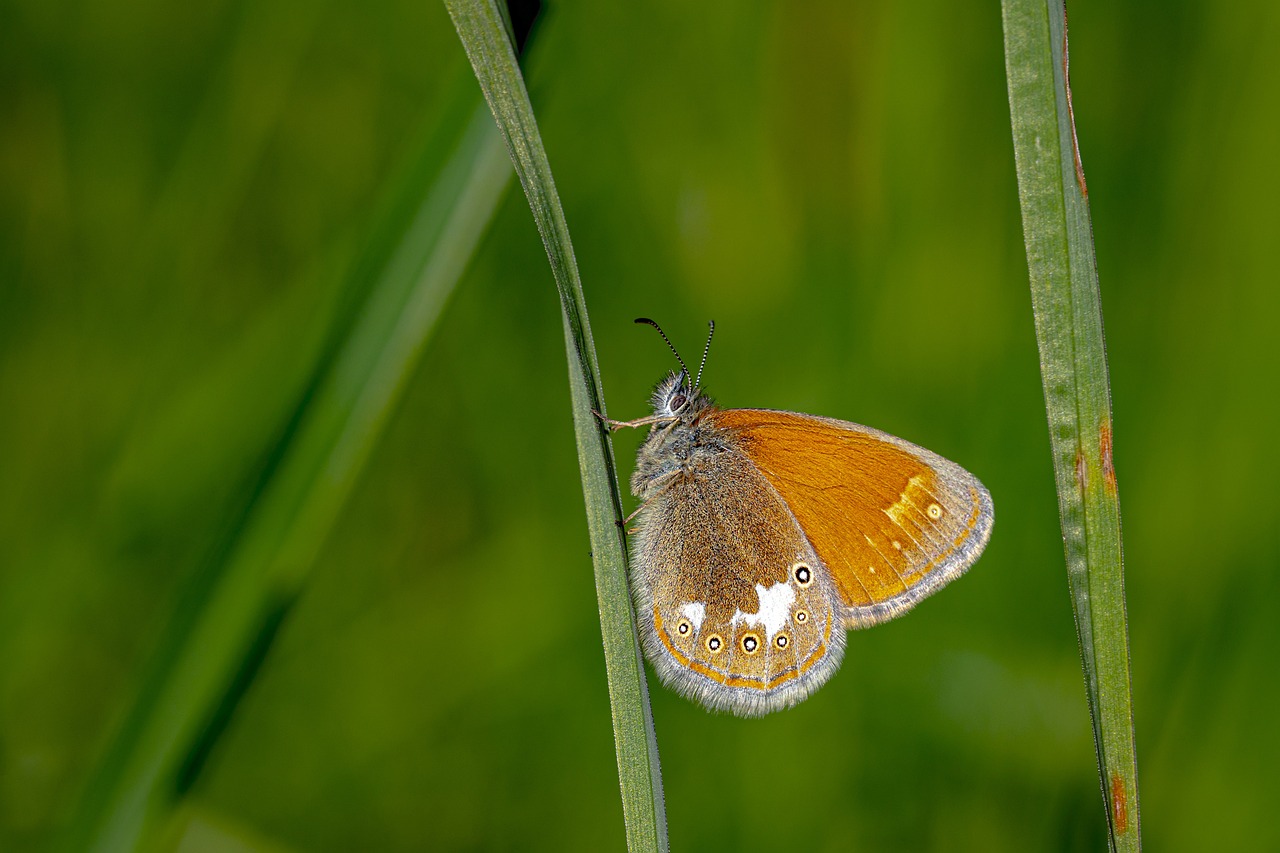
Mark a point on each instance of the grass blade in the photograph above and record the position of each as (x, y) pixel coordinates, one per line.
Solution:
(480, 26)
(1068, 317)
(216, 639)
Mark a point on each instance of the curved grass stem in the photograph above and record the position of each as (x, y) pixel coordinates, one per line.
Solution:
(1073, 366)
(481, 28)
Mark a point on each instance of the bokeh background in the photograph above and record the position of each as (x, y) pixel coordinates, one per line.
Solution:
(183, 186)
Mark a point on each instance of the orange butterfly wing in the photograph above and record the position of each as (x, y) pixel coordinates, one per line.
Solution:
(891, 521)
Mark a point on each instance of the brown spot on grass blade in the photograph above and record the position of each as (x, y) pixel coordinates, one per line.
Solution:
(1071, 114)
(1119, 804)
(1082, 471)
(1108, 460)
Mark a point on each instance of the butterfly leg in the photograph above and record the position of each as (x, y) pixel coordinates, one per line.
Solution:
(638, 422)
(627, 520)
(663, 485)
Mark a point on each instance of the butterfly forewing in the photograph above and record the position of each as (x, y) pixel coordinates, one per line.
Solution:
(891, 522)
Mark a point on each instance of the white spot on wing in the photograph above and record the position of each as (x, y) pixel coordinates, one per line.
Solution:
(695, 612)
(775, 609)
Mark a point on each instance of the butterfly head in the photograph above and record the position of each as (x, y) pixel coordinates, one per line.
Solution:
(677, 399)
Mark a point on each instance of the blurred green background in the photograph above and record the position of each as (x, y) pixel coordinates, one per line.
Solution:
(183, 188)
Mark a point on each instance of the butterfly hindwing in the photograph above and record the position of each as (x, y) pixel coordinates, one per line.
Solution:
(736, 608)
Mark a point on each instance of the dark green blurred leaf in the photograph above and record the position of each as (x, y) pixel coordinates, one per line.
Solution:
(229, 617)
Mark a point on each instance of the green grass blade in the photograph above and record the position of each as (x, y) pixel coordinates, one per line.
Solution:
(480, 26)
(1068, 317)
(218, 635)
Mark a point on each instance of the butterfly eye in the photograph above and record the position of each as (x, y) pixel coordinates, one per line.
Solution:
(781, 641)
(684, 628)
(802, 616)
(714, 643)
(677, 402)
(750, 643)
(803, 574)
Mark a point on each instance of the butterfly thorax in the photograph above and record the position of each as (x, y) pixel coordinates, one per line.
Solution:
(683, 440)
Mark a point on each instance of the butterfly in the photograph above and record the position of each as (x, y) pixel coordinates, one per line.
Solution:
(762, 536)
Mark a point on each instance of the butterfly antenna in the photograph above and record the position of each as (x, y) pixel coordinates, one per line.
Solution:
(649, 322)
(706, 349)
